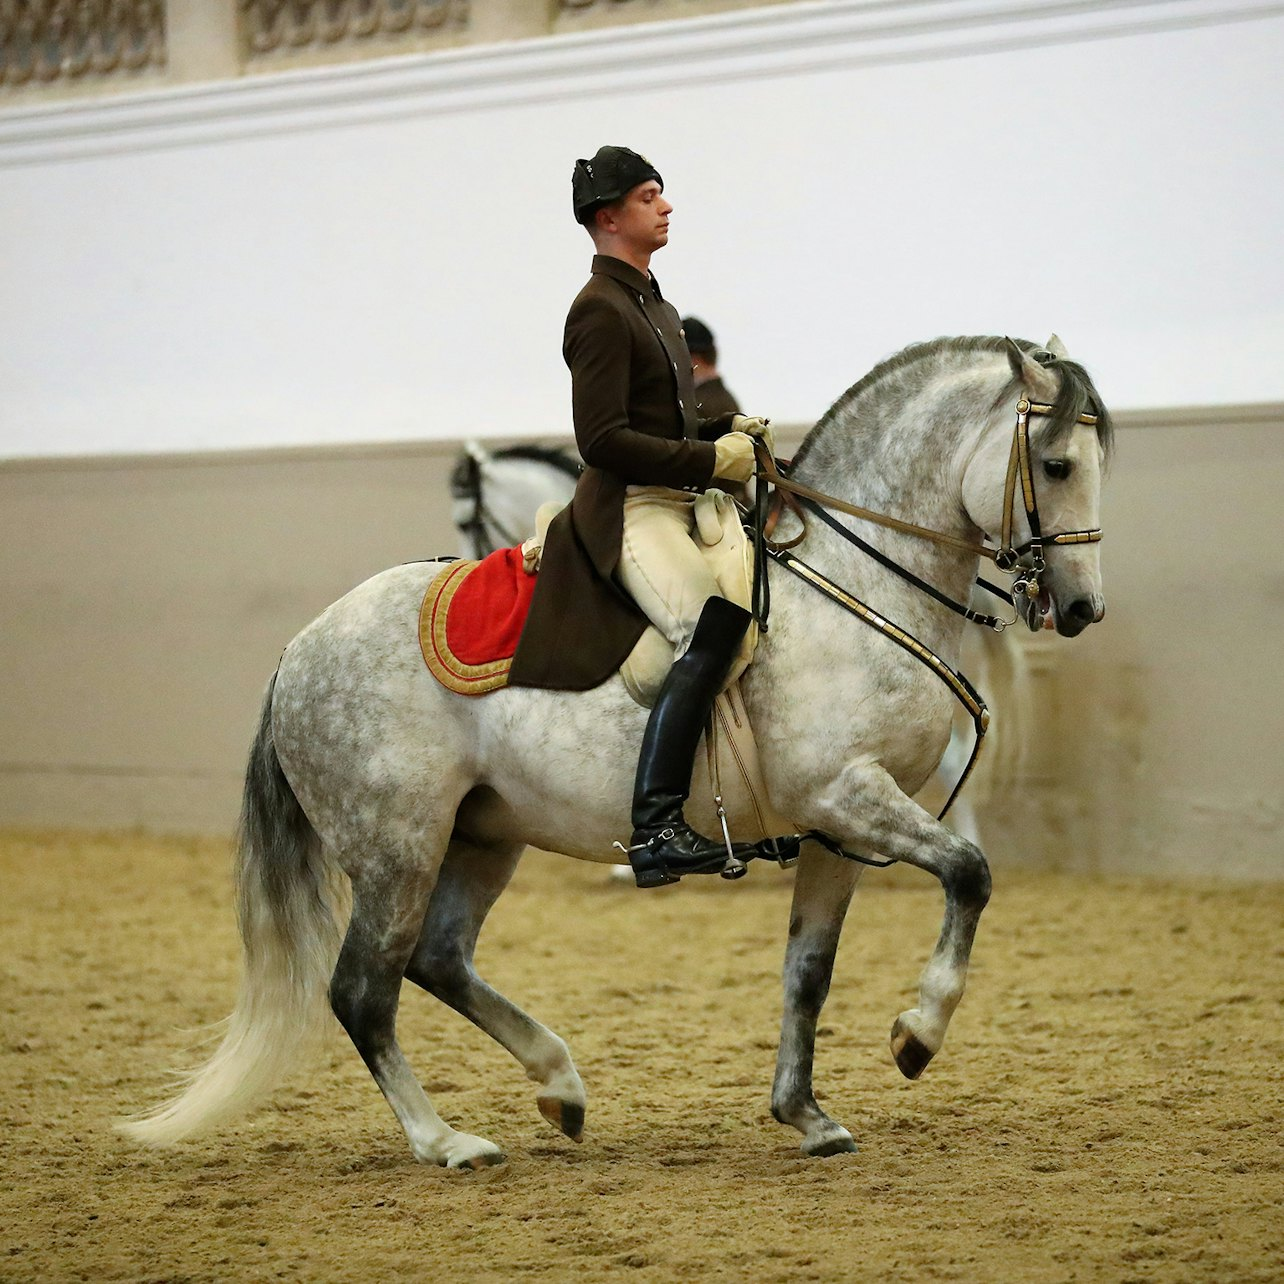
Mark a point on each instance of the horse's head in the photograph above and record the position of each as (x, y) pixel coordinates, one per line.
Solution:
(1034, 485)
(497, 494)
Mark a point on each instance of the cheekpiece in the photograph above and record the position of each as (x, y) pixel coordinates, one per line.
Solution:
(606, 177)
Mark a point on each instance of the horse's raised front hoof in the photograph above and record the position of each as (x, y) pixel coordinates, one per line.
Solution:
(836, 1141)
(566, 1115)
(911, 1054)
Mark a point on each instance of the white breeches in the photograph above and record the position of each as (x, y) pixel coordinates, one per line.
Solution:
(660, 566)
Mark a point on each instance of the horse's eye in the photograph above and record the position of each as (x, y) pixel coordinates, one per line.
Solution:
(1056, 469)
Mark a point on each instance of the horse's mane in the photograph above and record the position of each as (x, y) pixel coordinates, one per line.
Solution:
(1078, 394)
(554, 456)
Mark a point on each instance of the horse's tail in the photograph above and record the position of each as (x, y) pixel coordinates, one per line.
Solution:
(286, 895)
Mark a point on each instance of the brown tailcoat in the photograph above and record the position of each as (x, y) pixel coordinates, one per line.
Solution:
(636, 423)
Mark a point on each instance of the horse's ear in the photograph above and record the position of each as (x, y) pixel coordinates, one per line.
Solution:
(1038, 379)
(475, 450)
(1056, 347)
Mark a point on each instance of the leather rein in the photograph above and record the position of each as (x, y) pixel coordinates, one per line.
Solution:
(1025, 562)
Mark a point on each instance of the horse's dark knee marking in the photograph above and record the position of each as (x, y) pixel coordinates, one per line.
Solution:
(809, 977)
(443, 972)
(364, 992)
(368, 1014)
(968, 878)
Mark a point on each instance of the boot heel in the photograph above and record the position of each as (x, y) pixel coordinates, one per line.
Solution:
(654, 878)
(647, 869)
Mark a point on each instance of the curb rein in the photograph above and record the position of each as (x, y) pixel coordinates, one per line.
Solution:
(1007, 558)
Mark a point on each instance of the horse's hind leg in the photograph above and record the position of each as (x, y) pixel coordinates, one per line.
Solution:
(823, 889)
(876, 817)
(389, 901)
(470, 880)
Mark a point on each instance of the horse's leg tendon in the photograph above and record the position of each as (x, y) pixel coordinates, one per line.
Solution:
(470, 880)
(823, 888)
(389, 902)
(880, 819)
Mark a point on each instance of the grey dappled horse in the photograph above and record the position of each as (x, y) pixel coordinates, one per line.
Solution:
(365, 770)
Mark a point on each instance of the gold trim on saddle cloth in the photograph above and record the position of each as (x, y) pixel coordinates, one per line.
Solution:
(451, 672)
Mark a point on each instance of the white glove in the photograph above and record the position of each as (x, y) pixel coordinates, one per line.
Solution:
(734, 457)
(755, 427)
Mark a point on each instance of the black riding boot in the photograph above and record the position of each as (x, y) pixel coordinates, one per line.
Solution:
(664, 846)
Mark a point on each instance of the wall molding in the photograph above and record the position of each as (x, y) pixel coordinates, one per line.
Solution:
(1265, 414)
(796, 39)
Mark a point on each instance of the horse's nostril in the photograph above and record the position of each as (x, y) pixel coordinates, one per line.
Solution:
(1082, 611)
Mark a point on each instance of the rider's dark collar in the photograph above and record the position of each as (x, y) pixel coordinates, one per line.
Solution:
(626, 274)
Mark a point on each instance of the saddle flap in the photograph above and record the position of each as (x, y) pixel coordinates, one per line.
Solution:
(729, 768)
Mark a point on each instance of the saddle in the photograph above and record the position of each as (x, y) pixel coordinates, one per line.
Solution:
(471, 621)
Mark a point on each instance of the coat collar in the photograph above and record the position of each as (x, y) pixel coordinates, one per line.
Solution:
(626, 274)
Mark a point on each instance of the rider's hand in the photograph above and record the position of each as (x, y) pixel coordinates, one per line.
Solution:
(734, 456)
(755, 427)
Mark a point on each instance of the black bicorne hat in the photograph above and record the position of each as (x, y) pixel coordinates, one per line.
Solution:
(606, 177)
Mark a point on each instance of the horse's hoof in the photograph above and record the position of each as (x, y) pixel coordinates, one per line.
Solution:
(461, 1151)
(488, 1160)
(838, 1143)
(566, 1115)
(910, 1053)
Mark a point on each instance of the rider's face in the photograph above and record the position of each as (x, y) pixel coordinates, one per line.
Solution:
(641, 217)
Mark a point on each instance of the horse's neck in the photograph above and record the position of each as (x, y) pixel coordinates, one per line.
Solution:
(904, 467)
(515, 489)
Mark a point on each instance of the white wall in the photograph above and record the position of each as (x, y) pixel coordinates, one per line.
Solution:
(386, 251)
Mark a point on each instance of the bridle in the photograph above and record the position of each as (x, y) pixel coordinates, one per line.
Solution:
(467, 484)
(1025, 562)
(485, 530)
(1006, 557)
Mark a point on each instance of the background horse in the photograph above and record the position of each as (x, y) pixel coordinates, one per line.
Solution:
(494, 494)
(365, 769)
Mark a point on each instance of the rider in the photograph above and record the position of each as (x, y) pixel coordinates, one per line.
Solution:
(648, 456)
(713, 397)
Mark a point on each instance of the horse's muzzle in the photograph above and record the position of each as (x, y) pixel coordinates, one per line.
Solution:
(1079, 614)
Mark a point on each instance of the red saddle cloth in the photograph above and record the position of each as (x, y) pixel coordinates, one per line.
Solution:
(471, 620)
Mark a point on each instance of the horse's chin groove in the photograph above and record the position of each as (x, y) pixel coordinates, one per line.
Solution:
(568, 1116)
(911, 1055)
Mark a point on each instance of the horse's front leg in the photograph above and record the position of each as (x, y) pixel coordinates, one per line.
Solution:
(822, 891)
(873, 817)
